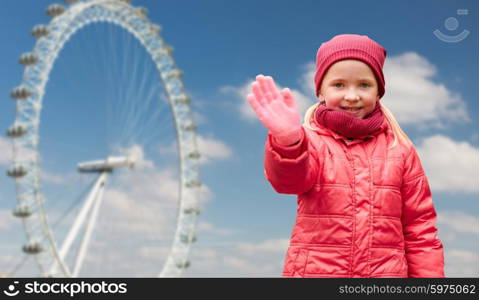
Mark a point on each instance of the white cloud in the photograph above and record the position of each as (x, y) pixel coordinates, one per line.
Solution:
(5, 151)
(267, 246)
(249, 268)
(458, 231)
(206, 227)
(246, 112)
(198, 118)
(7, 220)
(142, 202)
(307, 79)
(211, 149)
(459, 221)
(240, 93)
(450, 165)
(14, 263)
(239, 259)
(53, 178)
(414, 98)
(151, 252)
(461, 263)
(136, 153)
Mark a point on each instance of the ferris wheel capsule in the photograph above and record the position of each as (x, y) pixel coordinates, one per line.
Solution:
(189, 127)
(193, 183)
(182, 99)
(16, 131)
(22, 211)
(164, 50)
(28, 59)
(169, 48)
(55, 10)
(32, 248)
(194, 155)
(143, 11)
(107, 165)
(40, 31)
(192, 211)
(188, 239)
(183, 264)
(156, 29)
(20, 93)
(17, 171)
(173, 74)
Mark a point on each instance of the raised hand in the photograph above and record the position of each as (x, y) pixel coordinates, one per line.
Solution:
(276, 109)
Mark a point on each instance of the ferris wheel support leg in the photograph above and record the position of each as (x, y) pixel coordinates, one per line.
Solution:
(89, 230)
(80, 218)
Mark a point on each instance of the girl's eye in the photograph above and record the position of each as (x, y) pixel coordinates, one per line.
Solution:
(365, 85)
(338, 84)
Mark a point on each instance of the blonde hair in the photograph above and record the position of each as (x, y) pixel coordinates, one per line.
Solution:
(399, 135)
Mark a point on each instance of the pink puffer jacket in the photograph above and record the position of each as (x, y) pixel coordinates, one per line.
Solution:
(364, 210)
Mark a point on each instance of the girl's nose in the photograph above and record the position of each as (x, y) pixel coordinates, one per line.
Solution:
(351, 95)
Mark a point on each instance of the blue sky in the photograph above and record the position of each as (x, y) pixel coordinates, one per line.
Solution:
(220, 46)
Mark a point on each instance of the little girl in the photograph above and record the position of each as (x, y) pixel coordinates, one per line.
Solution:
(364, 203)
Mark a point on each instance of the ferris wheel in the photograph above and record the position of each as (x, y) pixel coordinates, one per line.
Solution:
(41, 238)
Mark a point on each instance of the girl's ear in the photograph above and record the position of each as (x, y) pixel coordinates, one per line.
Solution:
(321, 99)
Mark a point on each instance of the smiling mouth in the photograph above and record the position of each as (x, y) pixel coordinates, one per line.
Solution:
(351, 109)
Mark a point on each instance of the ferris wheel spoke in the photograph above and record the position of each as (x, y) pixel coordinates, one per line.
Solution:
(140, 124)
(150, 134)
(129, 94)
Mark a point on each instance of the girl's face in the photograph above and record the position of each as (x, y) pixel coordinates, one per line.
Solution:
(350, 86)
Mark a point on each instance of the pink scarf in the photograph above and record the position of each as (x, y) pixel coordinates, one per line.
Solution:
(349, 125)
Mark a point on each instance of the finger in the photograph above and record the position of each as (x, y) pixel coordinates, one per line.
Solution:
(259, 80)
(260, 111)
(273, 89)
(254, 102)
(258, 93)
(288, 98)
(263, 83)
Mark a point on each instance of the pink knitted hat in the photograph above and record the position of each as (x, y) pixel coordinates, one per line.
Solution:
(350, 46)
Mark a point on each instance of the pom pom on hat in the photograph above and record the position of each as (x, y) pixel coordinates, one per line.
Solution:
(350, 46)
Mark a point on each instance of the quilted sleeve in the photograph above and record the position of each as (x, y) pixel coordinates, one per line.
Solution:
(291, 169)
(424, 250)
